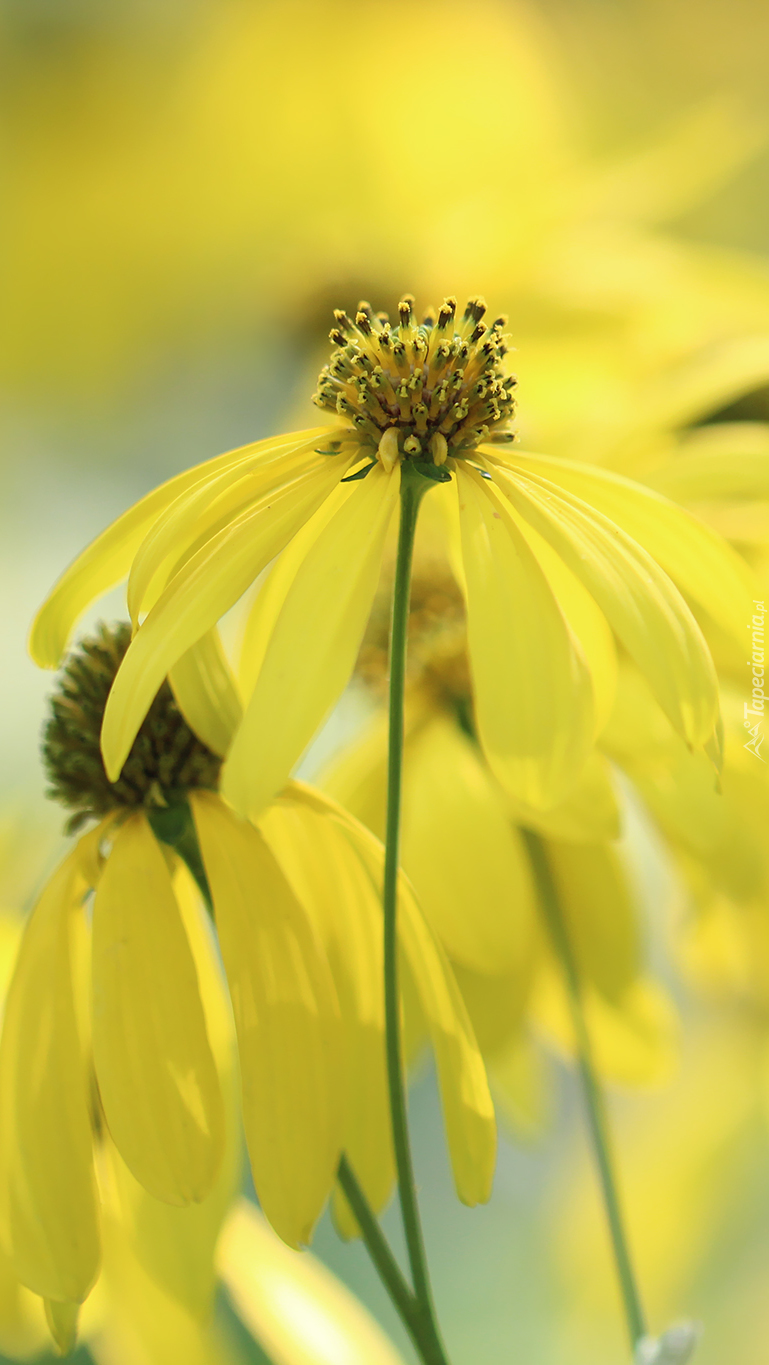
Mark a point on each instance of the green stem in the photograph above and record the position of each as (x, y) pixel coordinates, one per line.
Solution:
(382, 1257)
(413, 486)
(174, 826)
(594, 1101)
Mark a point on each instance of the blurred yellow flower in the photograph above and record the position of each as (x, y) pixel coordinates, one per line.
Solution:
(463, 850)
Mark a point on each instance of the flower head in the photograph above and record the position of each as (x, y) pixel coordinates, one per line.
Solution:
(558, 563)
(167, 758)
(420, 391)
(128, 1061)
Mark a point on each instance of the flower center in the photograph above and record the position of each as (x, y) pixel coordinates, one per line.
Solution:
(425, 391)
(166, 760)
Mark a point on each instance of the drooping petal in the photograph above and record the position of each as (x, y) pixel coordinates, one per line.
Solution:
(47, 1186)
(108, 558)
(176, 1245)
(157, 1077)
(287, 1020)
(640, 602)
(462, 853)
(533, 699)
(206, 693)
(312, 650)
(590, 813)
(467, 1107)
(586, 621)
(267, 607)
(295, 1308)
(336, 889)
(599, 914)
(698, 560)
(203, 510)
(202, 591)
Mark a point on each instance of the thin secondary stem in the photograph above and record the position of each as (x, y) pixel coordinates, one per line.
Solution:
(412, 488)
(379, 1250)
(594, 1102)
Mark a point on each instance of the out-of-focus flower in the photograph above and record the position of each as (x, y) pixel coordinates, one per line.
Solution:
(463, 850)
(556, 560)
(305, 983)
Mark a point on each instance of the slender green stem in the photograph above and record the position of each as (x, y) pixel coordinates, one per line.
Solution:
(174, 826)
(413, 486)
(384, 1261)
(594, 1102)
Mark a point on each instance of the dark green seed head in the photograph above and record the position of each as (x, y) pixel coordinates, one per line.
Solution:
(166, 760)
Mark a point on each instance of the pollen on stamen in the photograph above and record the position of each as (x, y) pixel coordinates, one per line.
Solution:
(431, 391)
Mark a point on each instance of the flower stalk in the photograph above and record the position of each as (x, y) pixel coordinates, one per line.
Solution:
(594, 1101)
(414, 485)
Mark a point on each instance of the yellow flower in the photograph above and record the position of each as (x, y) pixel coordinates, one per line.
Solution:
(301, 955)
(556, 561)
(462, 847)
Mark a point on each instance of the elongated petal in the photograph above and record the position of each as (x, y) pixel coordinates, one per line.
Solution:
(268, 605)
(204, 509)
(47, 1185)
(203, 590)
(287, 1020)
(205, 690)
(586, 621)
(314, 645)
(156, 1074)
(108, 558)
(467, 1107)
(590, 813)
(724, 461)
(176, 1245)
(462, 853)
(698, 560)
(638, 599)
(295, 1308)
(532, 691)
(600, 916)
(336, 889)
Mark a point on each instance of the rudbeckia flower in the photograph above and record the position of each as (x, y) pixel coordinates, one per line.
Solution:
(557, 562)
(130, 1053)
(463, 847)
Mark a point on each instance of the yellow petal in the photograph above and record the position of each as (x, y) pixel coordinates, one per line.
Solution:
(589, 814)
(156, 1074)
(313, 646)
(638, 599)
(586, 621)
(204, 509)
(176, 1245)
(287, 1020)
(467, 1107)
(108, 558)
(202, 591)
(47, 1186)
(532, 691)
(720, 462)
(295, 1308)
(62, 1319)
(634, 1040)
(600, 916)
(267, 607)
(462, 854)
(23, 1331)
(698, 560)
(335, 888)
(205, 691)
